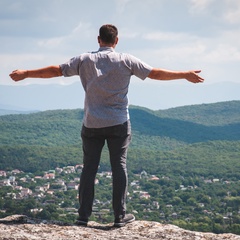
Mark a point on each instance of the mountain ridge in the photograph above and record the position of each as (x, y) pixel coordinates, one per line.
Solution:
(63, 126)
(39, 135)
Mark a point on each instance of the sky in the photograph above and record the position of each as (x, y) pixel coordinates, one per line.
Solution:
(170, 34)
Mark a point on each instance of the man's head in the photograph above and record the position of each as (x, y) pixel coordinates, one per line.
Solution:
(108, 35)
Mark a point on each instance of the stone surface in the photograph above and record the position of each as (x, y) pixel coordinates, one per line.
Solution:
(20, 227)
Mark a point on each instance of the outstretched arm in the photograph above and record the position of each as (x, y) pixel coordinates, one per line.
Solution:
(161, 74)
(47, 72)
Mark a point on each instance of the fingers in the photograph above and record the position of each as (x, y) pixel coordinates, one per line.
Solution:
(198, 79)
(15, 77)
(194, 77)
(13, 72)
(11, 75)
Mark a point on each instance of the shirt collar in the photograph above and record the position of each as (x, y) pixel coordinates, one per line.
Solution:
(106, 49)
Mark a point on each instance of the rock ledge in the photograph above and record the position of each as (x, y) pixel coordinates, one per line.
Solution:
(21, 227)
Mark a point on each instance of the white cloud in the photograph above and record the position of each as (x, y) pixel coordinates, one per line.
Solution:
(83, 32)
(224, 10)
(224, 48)
(232, 13)
(6, 59)
(222, 53)
(200, 5)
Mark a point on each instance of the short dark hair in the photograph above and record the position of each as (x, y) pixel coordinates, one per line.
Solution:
(108, 33)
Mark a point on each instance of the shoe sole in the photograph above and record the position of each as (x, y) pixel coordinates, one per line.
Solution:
(123, 224)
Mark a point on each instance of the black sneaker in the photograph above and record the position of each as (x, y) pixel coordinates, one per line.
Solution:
(81, 222)
(120, 222)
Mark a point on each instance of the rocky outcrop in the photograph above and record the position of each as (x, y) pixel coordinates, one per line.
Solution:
(20, 227)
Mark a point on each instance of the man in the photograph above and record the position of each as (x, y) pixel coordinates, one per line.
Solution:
(105, 76)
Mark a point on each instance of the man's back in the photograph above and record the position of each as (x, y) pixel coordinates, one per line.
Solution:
(105, 76)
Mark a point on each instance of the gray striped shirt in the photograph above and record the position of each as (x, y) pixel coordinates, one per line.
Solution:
(105, 76)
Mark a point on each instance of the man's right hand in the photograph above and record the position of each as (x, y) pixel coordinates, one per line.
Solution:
(18, 75)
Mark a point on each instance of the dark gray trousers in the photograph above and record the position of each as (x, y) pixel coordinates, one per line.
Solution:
(93, 139)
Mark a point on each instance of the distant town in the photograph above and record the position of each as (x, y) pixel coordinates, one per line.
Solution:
(54, 181)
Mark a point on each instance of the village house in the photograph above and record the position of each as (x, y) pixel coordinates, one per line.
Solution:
(23, 179)
(25, 192)
(39, 189)
(59, 184)
(49, 176)
(69, 169)
(46, 186)
(72, 185)
(5, 182)
(142, 194)
(59, 181)
(16, 171)
(38, 195)
(58, 170)
(154, 178)
(12, 179)
(36, 210)
(3, 173)
(50, 192)
(38, 177)
(106, 174)
(134, 183)
(18, 188)
(78, 168)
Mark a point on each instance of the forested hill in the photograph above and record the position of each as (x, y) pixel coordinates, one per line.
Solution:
(190, 124)
(164, 129)
(46, 134)
(221, 113)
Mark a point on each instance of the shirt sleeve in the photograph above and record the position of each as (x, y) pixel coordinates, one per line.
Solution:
(139, 68)
(71, 68)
